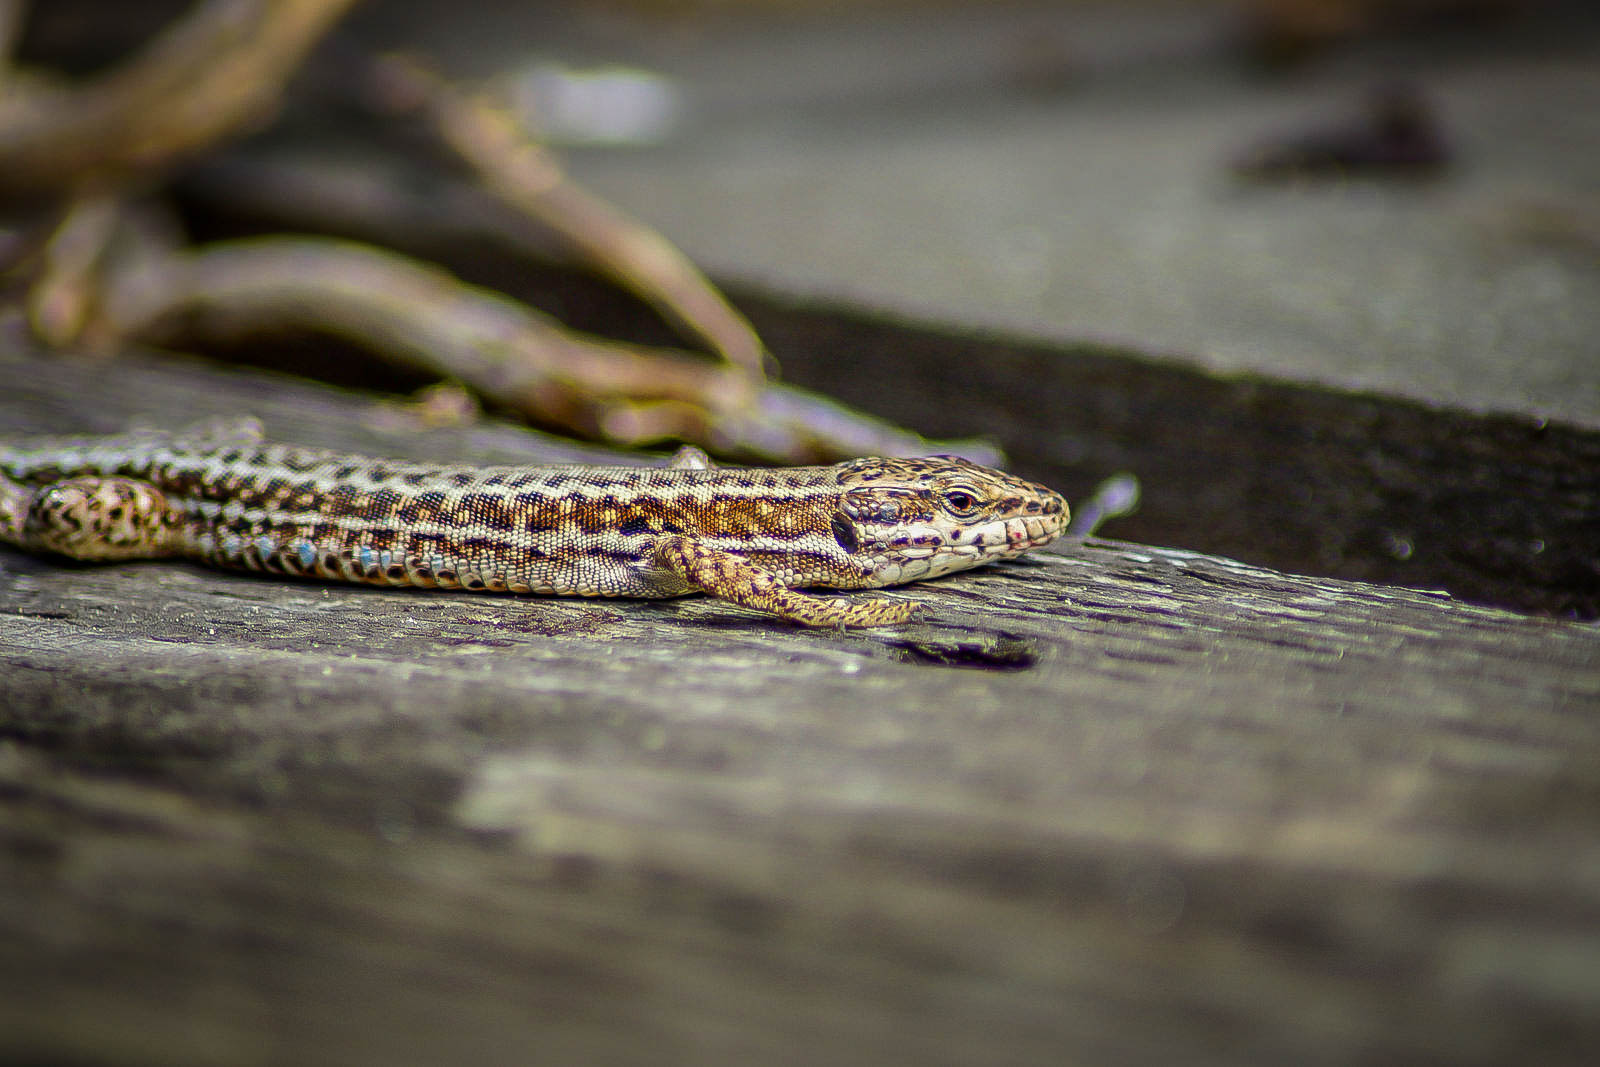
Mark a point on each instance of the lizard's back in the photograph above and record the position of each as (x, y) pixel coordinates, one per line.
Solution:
(234, 501)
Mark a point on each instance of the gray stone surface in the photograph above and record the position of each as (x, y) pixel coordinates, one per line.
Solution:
(911, 162)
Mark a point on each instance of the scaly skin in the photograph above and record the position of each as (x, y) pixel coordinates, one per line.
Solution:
(752, 536)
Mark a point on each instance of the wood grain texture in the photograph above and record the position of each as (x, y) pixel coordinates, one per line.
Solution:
(1115, 804)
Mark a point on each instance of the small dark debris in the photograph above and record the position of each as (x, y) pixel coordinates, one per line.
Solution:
(1397, 132)
(996, 652)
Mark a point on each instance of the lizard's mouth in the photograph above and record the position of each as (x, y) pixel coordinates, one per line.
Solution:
(992, 540)
(1032, 531)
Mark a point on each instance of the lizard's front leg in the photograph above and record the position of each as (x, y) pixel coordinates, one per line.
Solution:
(736, 579)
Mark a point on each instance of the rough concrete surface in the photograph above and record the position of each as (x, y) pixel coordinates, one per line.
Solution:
(1060, 172)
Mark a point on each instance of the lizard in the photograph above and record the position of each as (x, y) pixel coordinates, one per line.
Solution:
(218, 493)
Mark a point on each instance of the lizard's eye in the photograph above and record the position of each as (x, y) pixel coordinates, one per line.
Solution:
(960, 502)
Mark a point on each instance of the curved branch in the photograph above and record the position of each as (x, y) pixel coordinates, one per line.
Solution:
(220, 68)
(525, 176)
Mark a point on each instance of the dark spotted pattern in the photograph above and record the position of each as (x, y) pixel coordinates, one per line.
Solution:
(749, 535)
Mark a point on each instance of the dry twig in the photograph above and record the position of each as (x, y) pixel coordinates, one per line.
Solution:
(423, 316)
(527, 177)
(220, 68)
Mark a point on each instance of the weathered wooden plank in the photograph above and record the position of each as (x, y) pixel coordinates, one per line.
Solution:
(1175, 808)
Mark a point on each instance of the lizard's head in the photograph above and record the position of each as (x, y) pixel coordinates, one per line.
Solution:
(917, 518)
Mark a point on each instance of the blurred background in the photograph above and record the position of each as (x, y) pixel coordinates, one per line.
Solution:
(1123, 171)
